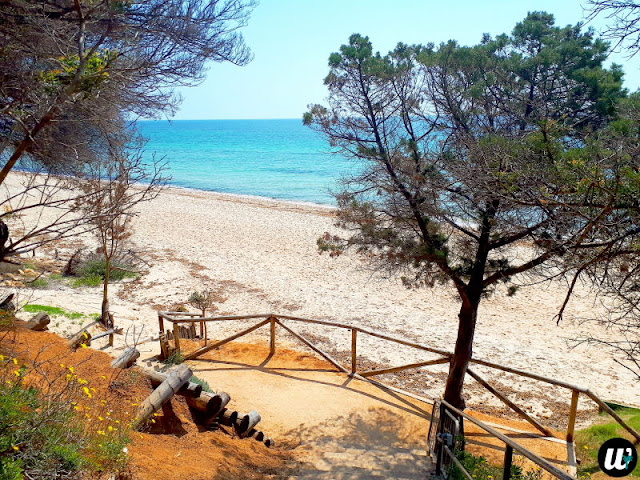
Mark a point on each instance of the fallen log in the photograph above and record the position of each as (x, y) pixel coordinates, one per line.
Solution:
(81, 338)
(126, 358)
(39, 322)
(209, 404)
(247, 422)
(175, 381)
(190, 389)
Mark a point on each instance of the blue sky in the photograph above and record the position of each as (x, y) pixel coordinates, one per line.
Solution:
(292, 39)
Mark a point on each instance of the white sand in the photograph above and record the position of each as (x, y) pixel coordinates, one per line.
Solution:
(263, 254)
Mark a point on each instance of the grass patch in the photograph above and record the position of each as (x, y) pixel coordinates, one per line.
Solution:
(199, 381)
(51, 311)
(88, 281)
(590, 439)
(39, 282)
(479, 468)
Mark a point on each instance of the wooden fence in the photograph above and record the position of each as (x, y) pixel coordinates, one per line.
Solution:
(182, 322)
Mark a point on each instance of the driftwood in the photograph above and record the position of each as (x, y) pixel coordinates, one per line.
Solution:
(126, 358)
(7, 304)
(38, 323)
(189, 389)
(81, 338)
(161, 395)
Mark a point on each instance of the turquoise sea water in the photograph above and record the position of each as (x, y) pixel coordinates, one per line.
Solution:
(279, 159)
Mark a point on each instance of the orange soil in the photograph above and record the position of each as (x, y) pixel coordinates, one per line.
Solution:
(172, 448)
(302, 397)
(311, 411)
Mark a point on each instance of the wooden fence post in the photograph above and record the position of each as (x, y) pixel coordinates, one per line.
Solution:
(160, 323)
(354, 339)
(508, 461)
(176, 335)
(572, 415)
(272, 341)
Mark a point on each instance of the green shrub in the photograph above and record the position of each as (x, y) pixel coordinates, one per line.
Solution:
(98, 267)
(40, 433)
(479, 468)
(176, 358)
(39, 282)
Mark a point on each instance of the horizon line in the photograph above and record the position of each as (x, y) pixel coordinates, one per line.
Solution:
(209, 119)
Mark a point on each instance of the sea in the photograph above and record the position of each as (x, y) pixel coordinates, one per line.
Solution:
(278, 159)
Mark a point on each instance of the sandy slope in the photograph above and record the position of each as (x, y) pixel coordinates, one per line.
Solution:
(263, 255)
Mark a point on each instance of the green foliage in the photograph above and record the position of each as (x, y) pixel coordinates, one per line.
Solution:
(39, 428)
(51, 311)
(480, 469)
(97, 268)
(39, 282)
(42, 435)
(589, 440)
(11, 469)
(205, 385)
(91, 280)
(176, 358)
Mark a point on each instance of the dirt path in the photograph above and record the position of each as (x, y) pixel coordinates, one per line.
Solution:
(338, 428)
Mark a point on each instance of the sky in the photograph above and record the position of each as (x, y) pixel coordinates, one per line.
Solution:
(291, 41)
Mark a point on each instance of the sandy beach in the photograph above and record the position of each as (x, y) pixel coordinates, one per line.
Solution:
(261, 255)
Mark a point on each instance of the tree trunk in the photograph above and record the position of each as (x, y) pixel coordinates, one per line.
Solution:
(462, 354)
(106, 319)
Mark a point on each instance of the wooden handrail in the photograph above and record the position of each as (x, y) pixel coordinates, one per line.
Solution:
(382, 371)
(556, 472)
(196, 318)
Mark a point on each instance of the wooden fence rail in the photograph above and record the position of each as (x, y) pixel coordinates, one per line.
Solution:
(274, 321)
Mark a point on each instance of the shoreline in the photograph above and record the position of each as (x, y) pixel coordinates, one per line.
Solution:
(253, 199)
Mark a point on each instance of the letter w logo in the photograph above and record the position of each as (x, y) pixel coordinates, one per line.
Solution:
(620, 462)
